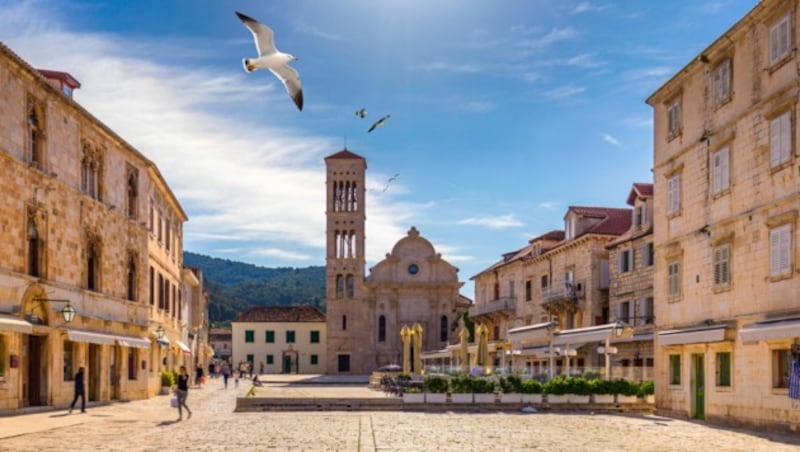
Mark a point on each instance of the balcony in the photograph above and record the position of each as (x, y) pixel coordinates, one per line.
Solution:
(563, 296)
(501, 306)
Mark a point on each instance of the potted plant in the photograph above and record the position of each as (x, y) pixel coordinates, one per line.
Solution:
(627, 391)
(603, 391)
(647, 391)
(435, 388)
(413, 395)
(510, 389)
(167, 381)
(483, 390)
(532, 391)
(461, 389)
(568, 390)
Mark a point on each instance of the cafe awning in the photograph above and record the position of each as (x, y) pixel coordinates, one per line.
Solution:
(91, 337)
(134, 342)
(540, 351)
(539, 332)
(784, 328)
(186, 350)
(438, 354)
(697, 335)
(163, 341)
(583, 335)
(15, 324)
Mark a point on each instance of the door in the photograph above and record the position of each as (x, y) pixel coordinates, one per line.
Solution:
(344, 363)
(699, 383)
(92, 379)
(35, 385)
(287, 364)
(114, 372)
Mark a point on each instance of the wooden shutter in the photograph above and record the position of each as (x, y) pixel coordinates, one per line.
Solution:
(780, 246)
(775, 141)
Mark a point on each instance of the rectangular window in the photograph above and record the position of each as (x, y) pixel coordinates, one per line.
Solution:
(250, 358)
(625, 261)
(648, 312)
(289, 336)
(780, 368)
(721, 176)
(780, 39)
(674, 119)
(132, 368)
(314, 359)
(270, 359)
(69, 368)
(780, 250)
(648, 254)
(511, 288)
(625, 312)
(780, 139)
(249, 336)
(724, 369)
(544, 282)
(270, 337)
(528, 294)
(722, 82)
(674, 279)
(722, 265)
(674, 194)
(315, 337)
(674, 369)
(167, 233)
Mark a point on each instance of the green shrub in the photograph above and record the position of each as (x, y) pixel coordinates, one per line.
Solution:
(511, 384)
(413, 390)
(591, 375)
(532, 386)
(569, 385)
(646, 388)
(435, 384)
(167, 379)
(626, 387)
(405, 377)
(461, 384)
(602, 386)
(483, 386)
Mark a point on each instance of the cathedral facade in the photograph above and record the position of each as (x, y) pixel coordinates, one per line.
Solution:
(412, 286)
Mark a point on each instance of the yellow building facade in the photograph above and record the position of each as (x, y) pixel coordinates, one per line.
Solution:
(727, 198)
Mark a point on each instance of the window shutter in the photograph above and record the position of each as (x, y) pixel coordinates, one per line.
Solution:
(774, 43)
(774, 142)
(786, 136)
(725, 171)
(785, 245)
(717, 173)
(783, 37)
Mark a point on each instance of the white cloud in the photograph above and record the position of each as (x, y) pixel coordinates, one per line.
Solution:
(610, 139)
(585, 7)
(282, 254)
(548, 205)
(548, 39)
(564, 91)
(441, 66)
(501, 222)
(314, 31)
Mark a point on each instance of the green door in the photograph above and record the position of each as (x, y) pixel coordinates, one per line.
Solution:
(287, 364)
(699, 386)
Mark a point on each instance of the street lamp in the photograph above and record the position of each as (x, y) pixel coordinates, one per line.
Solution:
(160, 332)
(68, 312)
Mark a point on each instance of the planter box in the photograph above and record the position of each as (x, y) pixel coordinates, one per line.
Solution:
(650, 398)
(484, 398)
(461, 397)
(574, 398)
(431, 397)
(511, 398)
(532, 398)
(416, 397)
(554, 398)
(627, 398)
(603, 398)
(165, 390)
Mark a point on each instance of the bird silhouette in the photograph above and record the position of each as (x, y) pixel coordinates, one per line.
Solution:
(362, 113)
(379, 123)
(389, 181)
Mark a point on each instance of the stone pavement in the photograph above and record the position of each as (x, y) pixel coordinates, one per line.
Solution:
(150, 425)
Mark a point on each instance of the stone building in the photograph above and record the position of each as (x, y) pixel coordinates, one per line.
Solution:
(195, 301)
(727, 198)
(632, 266)
(281, 339)
(412, 285)
(74, 232)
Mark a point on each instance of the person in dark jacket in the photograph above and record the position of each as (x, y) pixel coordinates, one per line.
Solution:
(80, 391)
(182, 392)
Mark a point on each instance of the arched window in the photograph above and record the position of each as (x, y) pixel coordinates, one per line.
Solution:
(382, 329)
(443, 330)
(344, 323)
(34, 139)
(35, 248)
(339, 286)
(133, 193)
(350, 287)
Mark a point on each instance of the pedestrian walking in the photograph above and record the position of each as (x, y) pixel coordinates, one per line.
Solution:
(182, 392)
(261, 368)
(80, 391)
(198, 375)
(226, 373)
(211, 370)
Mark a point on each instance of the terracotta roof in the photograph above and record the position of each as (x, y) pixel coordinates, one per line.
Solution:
(344, 154)
(219, 331)
(640, 190)
(281, 314)
(556, 234)
(631, 234)
(63, 76)
(615, 222)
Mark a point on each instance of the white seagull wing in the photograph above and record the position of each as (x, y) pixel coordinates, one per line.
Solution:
(265, 39)
(291, 80)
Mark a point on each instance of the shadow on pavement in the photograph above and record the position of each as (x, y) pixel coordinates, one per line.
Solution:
(166, 423)
(60, 415)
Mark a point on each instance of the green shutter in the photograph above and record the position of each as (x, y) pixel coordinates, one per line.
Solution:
(270, 337)
(315, 337)
(724, 369)
(314, 359)
(270, 359)
(249, 336)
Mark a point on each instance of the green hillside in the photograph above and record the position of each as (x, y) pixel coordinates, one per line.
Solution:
(234, 287)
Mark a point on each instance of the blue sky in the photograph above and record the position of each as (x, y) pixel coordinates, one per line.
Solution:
(503, 113)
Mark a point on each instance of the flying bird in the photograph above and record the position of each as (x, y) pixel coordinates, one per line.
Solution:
(389, 181)
(378, 123)
(362, 113)
(271, 58)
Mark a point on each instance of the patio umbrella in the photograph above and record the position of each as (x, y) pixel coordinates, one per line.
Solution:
(405, 336)
(483, 345)
(417, 348)
(463, 351)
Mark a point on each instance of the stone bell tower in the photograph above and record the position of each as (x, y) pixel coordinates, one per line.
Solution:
(350, 346)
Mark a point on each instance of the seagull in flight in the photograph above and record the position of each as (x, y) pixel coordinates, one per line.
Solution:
(271, 58)
(391, 179)
(378, 123)
(362, 113)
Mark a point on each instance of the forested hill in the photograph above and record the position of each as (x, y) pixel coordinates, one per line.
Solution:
(234, 287)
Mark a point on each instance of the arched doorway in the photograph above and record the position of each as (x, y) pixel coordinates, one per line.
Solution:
(34, 363)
